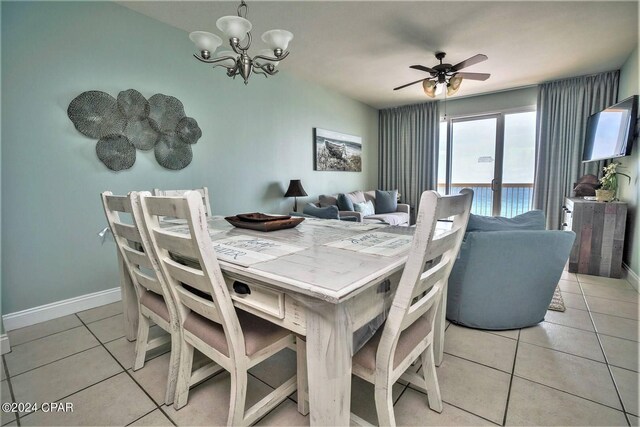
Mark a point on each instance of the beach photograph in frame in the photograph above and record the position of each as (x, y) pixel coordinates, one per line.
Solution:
(335, 151)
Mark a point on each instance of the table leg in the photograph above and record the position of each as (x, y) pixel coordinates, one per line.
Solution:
(129, 301)
(329, 345)
(441, 320)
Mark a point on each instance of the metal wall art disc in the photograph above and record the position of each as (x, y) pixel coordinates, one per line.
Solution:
(166, 111)
(96, 114)
(188, 130)
(133, 104)
(172, 153)
(116, 152)
(141, 133)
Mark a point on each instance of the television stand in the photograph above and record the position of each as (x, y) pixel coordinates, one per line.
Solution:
(599, 228)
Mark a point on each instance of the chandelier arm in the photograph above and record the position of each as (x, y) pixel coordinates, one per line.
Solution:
(266, 58)
(265, 68)
(244, 48)
(213, 61)
(224, 66)
(260, 72)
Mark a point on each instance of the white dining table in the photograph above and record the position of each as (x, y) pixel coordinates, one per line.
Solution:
(326, 280)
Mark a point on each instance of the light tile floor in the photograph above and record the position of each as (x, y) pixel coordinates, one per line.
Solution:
(579, 367)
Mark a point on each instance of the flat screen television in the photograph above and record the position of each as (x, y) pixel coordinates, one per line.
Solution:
(610, 133)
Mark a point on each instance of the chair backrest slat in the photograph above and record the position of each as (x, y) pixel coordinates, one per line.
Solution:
(128, 231)
(148, 282)
(198, 304)
(204, 193)
(136, 257)
(188, 275)
(443, 243)
(179, 244)
(422, 306)
(429, 278)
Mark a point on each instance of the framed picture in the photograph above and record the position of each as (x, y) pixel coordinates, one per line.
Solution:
(336, 151)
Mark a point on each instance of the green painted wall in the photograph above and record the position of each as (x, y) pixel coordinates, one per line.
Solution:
(255, 138)
(629, 79)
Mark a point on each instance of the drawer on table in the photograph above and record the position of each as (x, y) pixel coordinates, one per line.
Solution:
(260, 298)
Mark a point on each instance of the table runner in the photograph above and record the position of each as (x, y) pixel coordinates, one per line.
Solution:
(376, 243)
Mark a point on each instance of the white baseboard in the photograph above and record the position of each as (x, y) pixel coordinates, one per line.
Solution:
(632, 277)
(34, 315)
(4, 344)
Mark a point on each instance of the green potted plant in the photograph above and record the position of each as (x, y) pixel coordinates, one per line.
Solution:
(609, 183)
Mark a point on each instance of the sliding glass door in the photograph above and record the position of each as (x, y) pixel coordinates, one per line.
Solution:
(492, 154)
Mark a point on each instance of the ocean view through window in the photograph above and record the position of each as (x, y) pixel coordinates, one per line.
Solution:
(494, 155)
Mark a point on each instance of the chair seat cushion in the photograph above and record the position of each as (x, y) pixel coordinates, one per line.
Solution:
(409, 339)
(258, 333)
(155, 303)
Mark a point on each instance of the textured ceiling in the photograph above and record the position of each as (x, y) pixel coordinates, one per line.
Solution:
(363, 49)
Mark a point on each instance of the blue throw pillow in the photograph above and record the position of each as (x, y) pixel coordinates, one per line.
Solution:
(330, 212)
(532, 220)
(366, 208)
(344, 203)
(386, 201)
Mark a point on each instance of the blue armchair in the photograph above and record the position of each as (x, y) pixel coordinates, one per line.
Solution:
(505, 279)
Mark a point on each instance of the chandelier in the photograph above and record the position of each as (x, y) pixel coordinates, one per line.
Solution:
(237, 61)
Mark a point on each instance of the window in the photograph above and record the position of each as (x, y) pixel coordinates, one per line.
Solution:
(492, 154)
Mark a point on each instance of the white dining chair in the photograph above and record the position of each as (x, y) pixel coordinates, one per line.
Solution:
(233, 339)
(204, 193)
(154, 300)
(408, 331)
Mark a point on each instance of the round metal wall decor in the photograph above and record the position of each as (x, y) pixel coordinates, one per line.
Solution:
(188, 130)
(116, 152)
(96, 114)
(132, 122)
(133, 104)
(166, 112)
(141, 133)
(172, 153)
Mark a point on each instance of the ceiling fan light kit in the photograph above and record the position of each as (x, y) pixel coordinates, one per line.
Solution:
(237, 61)
(447, 76)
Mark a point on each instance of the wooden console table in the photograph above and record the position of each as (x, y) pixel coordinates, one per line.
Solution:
(599, 228)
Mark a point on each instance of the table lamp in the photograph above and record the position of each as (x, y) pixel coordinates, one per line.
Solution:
(295, 190)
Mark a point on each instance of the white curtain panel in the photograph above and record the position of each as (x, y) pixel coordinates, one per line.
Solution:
(408, 150)
(563, 108)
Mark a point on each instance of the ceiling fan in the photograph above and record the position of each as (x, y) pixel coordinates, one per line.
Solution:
(447, 75)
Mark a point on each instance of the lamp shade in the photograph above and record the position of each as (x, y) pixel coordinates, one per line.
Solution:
(205, 41)
(277, 39)
(429, 87)
(295, 189)
(234, 27)
(454, 85)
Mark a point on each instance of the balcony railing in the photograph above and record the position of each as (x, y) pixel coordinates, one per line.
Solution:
(516, 198)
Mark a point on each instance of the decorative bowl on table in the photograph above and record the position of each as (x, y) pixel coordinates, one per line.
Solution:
(262, 222)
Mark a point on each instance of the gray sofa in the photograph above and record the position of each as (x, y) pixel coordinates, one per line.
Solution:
(505, 278)
(400, 217)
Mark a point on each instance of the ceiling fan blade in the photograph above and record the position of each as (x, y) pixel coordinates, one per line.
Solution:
(423, 68)
(474, 76)
(408, 84)
(469, 62)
